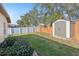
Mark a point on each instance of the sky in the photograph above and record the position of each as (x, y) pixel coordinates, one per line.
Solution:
(15, 10)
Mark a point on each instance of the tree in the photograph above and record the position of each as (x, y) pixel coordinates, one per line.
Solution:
(47, 13)
(50, 12)
(20, 24)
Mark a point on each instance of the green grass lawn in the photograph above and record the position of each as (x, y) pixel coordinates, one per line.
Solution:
(68, 42)
(46, 47)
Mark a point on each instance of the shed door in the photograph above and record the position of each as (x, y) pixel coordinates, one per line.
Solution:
(60, 29)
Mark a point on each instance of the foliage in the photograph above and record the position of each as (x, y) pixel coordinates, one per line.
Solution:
(16, 46)
(16, 51)
(29, 19)
(9, 41)
(55, 16)
(21, 41)
(46, 13)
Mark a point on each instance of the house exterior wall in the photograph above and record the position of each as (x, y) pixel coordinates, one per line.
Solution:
(3, 23)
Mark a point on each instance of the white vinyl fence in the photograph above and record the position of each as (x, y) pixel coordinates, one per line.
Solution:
(21, 30)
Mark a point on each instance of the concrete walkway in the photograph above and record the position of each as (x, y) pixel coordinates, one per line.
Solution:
(35, 53)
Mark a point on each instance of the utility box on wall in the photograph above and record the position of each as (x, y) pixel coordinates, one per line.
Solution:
(61, 29)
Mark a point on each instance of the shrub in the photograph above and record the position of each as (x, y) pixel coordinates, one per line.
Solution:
(16, 51)
(2, 51)
(16, 46)
(22, 42)
(9, 41)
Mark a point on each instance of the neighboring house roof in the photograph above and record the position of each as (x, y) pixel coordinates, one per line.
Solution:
(2, 10)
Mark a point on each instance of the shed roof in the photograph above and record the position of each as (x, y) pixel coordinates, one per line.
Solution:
(2, 10)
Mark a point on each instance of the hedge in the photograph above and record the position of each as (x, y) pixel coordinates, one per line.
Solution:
(16, 46)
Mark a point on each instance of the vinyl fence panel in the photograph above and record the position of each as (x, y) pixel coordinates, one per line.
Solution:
(21, 30)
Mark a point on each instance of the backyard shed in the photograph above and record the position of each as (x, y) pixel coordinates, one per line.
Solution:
(66, 29)
(4, 21)
(61, 29)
